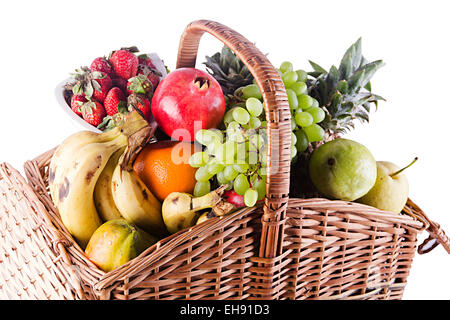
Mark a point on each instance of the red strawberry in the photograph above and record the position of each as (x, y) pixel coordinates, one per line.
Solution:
(141, 103)
(93, 112)
(115, 101)
(151, 74)
(120, 83)
(101, 83)
(232, 197)
(102, 64)
(76, 102)
(93, 84)
(140, 84)
(124, 63)
(144, 59)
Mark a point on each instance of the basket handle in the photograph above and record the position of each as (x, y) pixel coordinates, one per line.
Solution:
(278, 121)
(436, 233)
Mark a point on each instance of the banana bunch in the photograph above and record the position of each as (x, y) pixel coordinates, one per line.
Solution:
(86, 189)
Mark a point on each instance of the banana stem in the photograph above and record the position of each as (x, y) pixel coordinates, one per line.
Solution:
(208, 200)
(401, 170)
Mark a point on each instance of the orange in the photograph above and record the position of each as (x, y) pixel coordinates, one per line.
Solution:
(164, 167)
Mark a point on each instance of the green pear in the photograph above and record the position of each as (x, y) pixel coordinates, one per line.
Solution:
(390, 192)
(342, 169)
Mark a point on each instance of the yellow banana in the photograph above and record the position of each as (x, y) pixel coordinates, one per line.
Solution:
(75, 201)
(103, 198)
(69, 147)
(77, 168)
(136, 202)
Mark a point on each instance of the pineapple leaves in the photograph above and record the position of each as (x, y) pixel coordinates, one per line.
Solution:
(228, 70)
(317, 68)
(345, 92)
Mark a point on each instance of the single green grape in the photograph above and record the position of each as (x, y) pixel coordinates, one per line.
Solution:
(201, 188)
(301, 75)
(205, 137)
(234, 132)
(241, 184)
(241, 167)
(292, 98)
(229, 173)
(293, 124)
(228, 117)
(262, 171)
(315, 102)
(303, 119)
(304, 101)
(293, 139)
(254, 106)
(317, 113)
(299, 88)
(250, 197)
(254, 123)
(286, 66)
(259, 184)
(198, 159)
(302, 140)
(241, 152)
(251, 91)
(211, 148)
(202, 174)
(221, 178)
(230, 148)
(314, 133)
(214, 166)
(293, 151)
(241, 115)
(289, 78)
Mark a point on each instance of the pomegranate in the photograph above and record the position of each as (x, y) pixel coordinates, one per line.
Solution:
(188, 100)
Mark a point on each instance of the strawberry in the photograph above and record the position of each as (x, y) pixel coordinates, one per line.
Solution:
(151, 73)
(101, 64)
(120, 83)
(124, 63)
(93, 84)
(145, 60)
(93, 112)
(140, 84)
(141, 103)
(76, 102)
(101, 83)
(115, 101)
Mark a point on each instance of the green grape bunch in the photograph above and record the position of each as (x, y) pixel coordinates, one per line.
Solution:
(306, 114)
(234, 155)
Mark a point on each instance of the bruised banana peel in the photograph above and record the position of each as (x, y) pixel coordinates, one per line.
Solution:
(76, 168)
(180, 210)
(135, 202)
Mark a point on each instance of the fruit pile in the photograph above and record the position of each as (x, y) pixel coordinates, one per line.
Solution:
(118, 192)
(115, 84)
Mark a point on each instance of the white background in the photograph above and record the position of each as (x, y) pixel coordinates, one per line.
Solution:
(42, 41)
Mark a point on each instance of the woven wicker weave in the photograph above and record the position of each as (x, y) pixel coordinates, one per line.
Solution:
(283, 249)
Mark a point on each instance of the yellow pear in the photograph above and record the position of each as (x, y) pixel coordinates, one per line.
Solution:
(391, 188)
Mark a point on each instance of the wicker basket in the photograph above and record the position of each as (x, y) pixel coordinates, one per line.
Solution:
(283, 249)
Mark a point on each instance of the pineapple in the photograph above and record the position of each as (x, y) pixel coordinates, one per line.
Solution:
(228, 70)
(344, 92)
